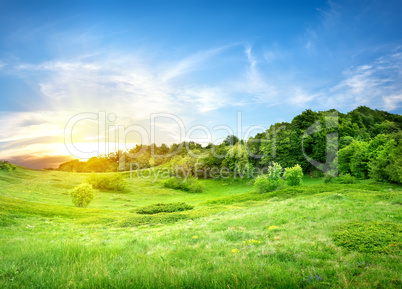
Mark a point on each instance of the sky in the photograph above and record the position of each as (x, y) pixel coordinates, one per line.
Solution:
(82, 78)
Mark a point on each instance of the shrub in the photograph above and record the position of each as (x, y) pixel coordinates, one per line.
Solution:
(369, 237)
(164, 208)
(6, 166)
(174, 183)
(162, 218)
(189, 185)
(294, 175)
(329, 179)
(264, 184)
(345, 179)
(274, 171)
(82, 195)
(116, 182)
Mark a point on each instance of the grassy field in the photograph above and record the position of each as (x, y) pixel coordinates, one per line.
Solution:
(312, 236)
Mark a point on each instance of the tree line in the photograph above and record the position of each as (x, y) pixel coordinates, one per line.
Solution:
(368, 145)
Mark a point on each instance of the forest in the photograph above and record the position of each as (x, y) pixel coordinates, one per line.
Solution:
(368, 145)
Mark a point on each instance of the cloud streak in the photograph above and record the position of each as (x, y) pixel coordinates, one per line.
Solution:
(377, 84)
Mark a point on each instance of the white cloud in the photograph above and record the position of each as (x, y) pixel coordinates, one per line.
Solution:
(16, 126)
(190, 64)
(59, 66)
(392, 102)
(377, 84)
(250, 57)
(125, 85)
(300, 97)
(205, 98)
(256, 87)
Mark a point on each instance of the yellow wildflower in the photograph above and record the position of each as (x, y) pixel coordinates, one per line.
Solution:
(235, 250)
(252, 242)
(195, 237)
(272, 227)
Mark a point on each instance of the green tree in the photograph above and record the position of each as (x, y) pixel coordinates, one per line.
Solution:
(231, 140)
(359, 160)
(386, 163)
(237, 161)
(354, 159)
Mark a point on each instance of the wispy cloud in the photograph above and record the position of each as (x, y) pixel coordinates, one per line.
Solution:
(58, 66)
(258, 89)
(124, 85)
(392, 102)
(377, 84)
(205, 98)
(190, 63)
(300, 97)
(16, 126)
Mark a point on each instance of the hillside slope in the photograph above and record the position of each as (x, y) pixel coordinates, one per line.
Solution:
(313, 236)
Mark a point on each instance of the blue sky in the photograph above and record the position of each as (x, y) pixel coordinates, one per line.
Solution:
(201, 61)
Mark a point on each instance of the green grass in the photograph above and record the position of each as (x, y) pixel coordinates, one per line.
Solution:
(232, 238)
(364, 237)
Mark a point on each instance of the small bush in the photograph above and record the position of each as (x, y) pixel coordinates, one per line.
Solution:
(294, 175)
(162, 218)
(369, 237)
(317, 174)
(274, 171)
(82, 195)
(174, 183)
(345, 179)
(328, 179)
(189, 185)
(6, 166)
(164, 208)
(265, 185)
(115, 182)
(196, 187)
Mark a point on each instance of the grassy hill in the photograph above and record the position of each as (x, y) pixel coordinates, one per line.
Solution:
(313, 236)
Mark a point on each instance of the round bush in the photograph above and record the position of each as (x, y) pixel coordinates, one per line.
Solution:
(82, 195)
(294, 175)
(6, 166)
(345, 179)
(265, 185)
(189, 184)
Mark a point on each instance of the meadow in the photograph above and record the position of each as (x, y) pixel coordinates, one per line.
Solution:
(315, 235)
